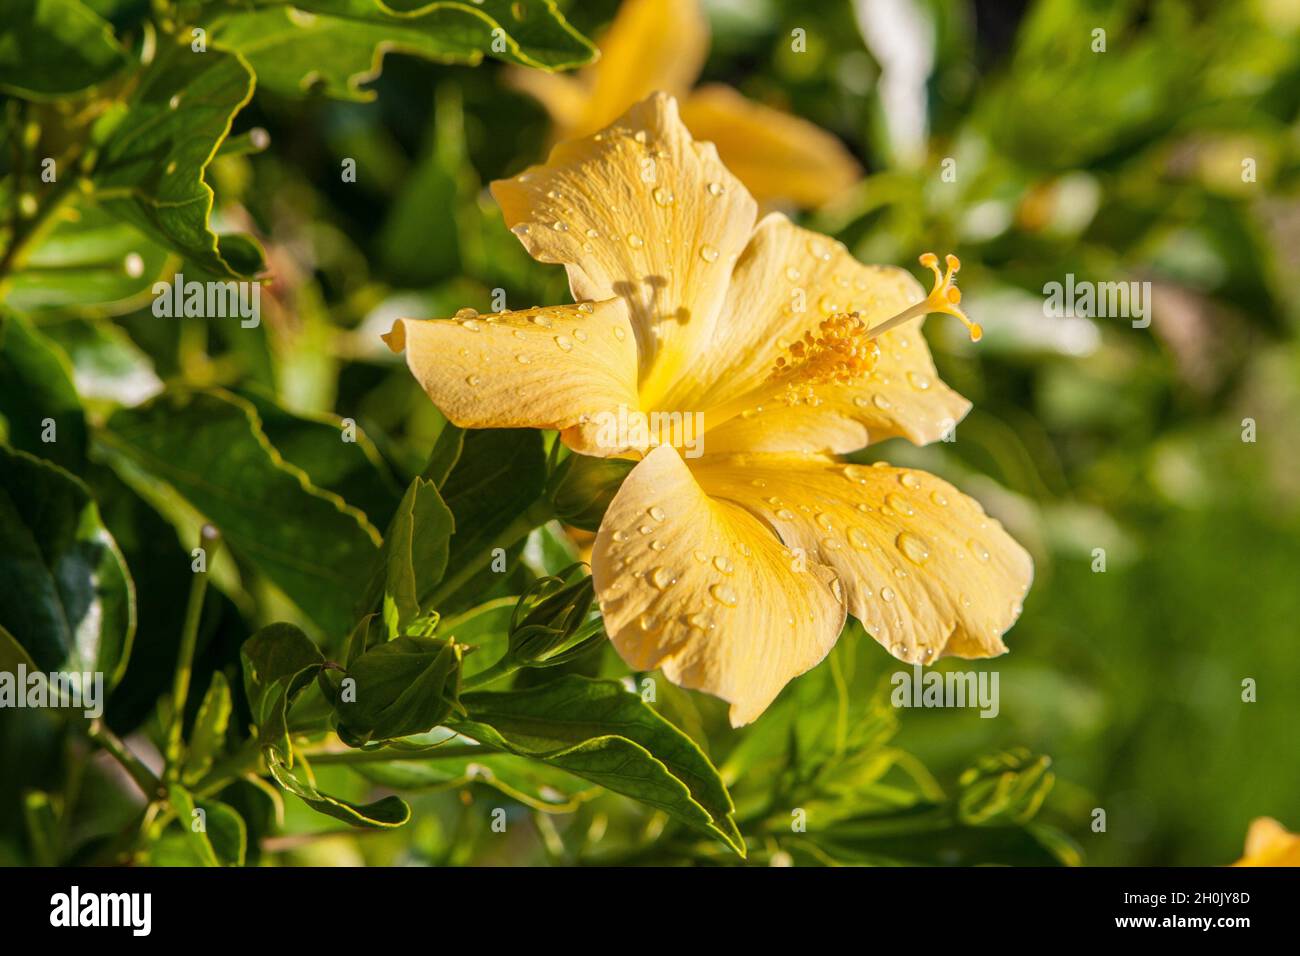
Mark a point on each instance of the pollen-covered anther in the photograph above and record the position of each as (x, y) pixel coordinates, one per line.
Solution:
(944, 297)
(841, 352)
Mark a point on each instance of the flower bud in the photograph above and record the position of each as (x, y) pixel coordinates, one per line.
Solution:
(582, 487)
(553, 621)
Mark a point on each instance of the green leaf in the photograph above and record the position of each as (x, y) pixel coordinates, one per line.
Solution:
(36, 388)
(195, 832)
(89, 258)
(533, 784)
(500, 473)
(65, 593)
(51, 48)
(929, 835)
(353, 468)
(414, 557)
(405, 686)
(209, 448)
(599, 731)
(208, 736)
(335, 46)
(220, 839)
(150, 168)
(386, 813)
(106, 364)
(278, 662)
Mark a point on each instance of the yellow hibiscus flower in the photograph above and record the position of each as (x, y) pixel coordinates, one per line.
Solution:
(1268, 843)
(730, 562)
(661, 45)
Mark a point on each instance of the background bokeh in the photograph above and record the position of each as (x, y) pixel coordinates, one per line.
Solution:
(1086, 433)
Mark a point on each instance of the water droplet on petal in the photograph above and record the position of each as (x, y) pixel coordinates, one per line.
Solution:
(662, 578)
(916, 550)
(472, 380)
(886, 593)
(663, 197)
(564, 342)
(909, 480)
(723, 564)
(919, 382)
(880, 401)
(859, 539)
(978, 549)
(724, 595)
(619, 535)
(898, 503)
(716, 189)
(654, 511)
(938, 498)
(635, 241)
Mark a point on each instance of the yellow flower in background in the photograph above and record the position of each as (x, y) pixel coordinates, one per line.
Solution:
(1268, 843)
(661, 45)
(730, 558)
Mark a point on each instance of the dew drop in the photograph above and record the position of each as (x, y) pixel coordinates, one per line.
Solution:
(898, 503)
(580, 335)
(564, 342)
(858, 538)
(522, 358)
(654, 511)
(886, 593)
(916, 550)
(472, 381)
(663, 197)
(909, 480)
(619, 333)
(918, 381)
(635, 241)
(619, 535)
(978, 549)
(880, 401)
(724, 595)
(723, 564)
(662, 578)
(716, 189)
(938, 498)
(708, 253)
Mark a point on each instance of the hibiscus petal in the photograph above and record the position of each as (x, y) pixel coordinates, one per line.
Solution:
(702, 590)
(780, 157)
(787, 281)
(643, 212)
(564, 367)
(927, 572)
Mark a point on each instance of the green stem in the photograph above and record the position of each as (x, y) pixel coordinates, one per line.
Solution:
(26, 233)
(144, 777)
(209, 541)
(501, 669)
(538, 513)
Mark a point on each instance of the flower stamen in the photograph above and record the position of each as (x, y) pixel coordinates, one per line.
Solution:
(945, 297)
(841, 352)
